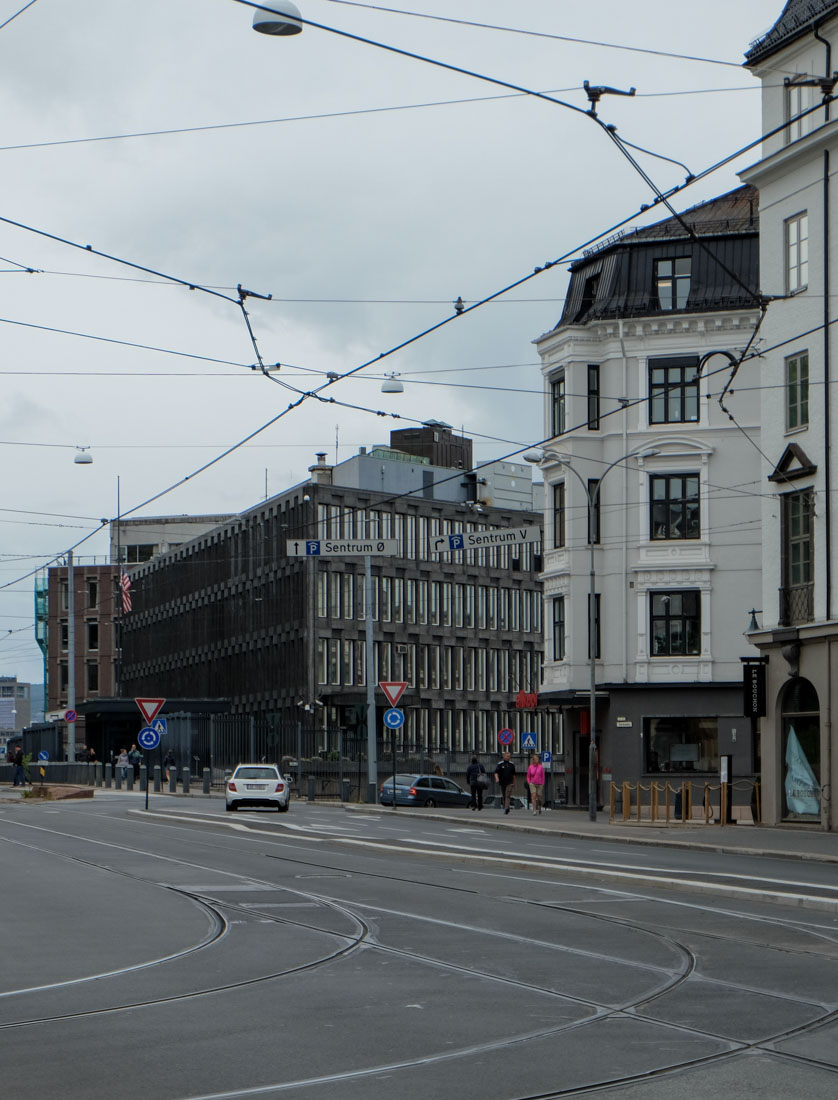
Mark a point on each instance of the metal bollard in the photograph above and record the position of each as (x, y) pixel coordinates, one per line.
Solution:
(143, 777)
(206, 780)
(312, 787)
(185, 780)
(117, 779)
(100, 779)
(158, 782)
(129, 778)
(172, 781)
(109, 775)
(345, 790)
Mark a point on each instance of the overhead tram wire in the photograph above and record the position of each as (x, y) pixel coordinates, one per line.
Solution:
(536, 34)
(17, 13)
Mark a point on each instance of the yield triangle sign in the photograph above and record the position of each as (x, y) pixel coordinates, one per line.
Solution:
(150, 708)
(393, 689)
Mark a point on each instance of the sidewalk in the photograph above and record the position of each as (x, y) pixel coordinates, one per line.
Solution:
(782, 841)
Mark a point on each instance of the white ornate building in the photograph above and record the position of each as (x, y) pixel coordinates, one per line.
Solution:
(628, 370)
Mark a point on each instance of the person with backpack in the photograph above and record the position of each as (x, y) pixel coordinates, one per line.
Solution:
(505, 776)
(478, 781)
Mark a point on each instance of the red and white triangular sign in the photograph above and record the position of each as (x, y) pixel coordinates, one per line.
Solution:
(150, 708)
(393, 689)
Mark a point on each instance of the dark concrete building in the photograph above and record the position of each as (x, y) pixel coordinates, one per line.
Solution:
(231, 615)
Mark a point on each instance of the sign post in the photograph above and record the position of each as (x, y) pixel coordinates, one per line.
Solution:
(148, 739)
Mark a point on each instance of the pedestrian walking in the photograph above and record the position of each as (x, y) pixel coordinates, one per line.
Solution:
(169, 763)
(19, 773)
(505, 776)
(123, 762)
(535, 782)
(135, 758)
(478, 781)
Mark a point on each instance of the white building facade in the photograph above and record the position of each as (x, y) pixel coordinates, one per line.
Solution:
(631, 394)
(799, 621)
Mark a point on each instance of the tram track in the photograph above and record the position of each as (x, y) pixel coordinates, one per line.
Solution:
(365, 937)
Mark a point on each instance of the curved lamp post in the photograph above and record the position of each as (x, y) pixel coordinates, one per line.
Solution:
(550, 457)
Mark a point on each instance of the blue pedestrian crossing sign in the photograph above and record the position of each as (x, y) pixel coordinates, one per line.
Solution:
(159, 724)
(148, 738)
(529, 741)
(393, 718)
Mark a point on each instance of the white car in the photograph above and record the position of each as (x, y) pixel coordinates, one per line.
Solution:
(258, 785)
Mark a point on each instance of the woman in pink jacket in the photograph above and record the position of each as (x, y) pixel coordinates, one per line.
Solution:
(535, 781)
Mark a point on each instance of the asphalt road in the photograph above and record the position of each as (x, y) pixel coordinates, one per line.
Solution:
(186, 953)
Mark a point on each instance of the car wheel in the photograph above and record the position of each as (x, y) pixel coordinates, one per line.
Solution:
(430, 802)
(230, 806)
(283, 809)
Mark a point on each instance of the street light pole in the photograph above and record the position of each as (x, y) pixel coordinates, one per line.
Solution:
(592, 496)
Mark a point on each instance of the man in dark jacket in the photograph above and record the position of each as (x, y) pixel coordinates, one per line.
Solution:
(20, 775)
(505, 776)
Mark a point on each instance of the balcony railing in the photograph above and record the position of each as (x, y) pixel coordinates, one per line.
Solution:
(797, 604)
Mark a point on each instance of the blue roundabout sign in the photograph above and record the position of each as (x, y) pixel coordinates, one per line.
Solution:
(148, 738)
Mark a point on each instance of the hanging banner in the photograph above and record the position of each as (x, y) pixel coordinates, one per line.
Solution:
(753, 683)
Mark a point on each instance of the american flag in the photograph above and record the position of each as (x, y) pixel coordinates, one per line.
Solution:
(125, 585)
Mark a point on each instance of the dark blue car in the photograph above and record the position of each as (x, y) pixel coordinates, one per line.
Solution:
(423, 790)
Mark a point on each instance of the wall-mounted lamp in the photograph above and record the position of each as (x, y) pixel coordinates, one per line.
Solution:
(753, 625)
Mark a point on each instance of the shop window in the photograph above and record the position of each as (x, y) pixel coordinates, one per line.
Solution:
(679, 744)
(801, 747)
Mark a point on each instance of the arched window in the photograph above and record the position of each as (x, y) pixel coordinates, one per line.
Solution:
(801, 752)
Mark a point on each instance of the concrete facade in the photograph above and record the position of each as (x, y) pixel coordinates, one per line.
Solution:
(797, 639)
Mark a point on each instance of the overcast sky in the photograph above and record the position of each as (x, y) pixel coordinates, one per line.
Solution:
(368, 193)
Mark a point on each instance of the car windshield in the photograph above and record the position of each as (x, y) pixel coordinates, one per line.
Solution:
(255, 773)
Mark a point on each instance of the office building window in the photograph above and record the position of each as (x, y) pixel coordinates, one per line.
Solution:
(558, 515)
(92, 676)
(593, 397)
(558, 628)
(93, 593)
(597, 631)
(593, 512)
(673, 390)
(797, 253)
(675, 623)
(798, 99)
(672, 282)
(797, 391)
(797, 591)
(92, 635)
(675, 506)
(557, 404)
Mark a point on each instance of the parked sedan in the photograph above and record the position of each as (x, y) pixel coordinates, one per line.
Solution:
(257, 785)
(423, 790)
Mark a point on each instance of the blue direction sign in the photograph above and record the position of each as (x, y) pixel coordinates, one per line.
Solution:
(505, 737)
(148, 738)
(43, 755)
(546, 758)
(529, 741)
(394, 718)
(159, 724)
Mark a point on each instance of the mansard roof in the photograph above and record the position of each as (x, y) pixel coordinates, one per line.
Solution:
(796, 19)
(617, 277)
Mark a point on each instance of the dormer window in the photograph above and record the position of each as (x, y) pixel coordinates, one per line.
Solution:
(672, 282)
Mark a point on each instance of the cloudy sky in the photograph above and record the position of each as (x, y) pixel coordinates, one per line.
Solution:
(362, 189)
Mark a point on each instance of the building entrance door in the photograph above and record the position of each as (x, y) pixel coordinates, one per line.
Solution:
(581, 750)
